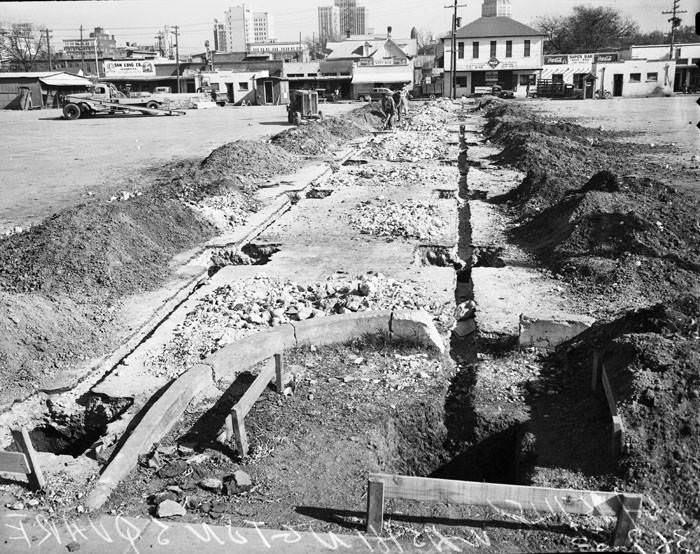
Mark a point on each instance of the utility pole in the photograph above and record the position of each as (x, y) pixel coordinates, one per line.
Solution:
(82, 51)
(453, 48)
(675, 22)
(48, 49)
(176, 32)
(97, 63)
(159, 37)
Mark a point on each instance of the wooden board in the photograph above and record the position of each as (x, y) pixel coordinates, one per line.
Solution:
(266, 374)
(508, 497)
(35, 475)
(13, 462)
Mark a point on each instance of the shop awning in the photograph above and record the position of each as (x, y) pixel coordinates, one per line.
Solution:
(65, 80)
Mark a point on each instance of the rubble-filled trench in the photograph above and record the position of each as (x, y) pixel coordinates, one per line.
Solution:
(391, 228)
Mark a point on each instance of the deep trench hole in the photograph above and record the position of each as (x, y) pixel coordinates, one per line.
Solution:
(251, 254)
(319, 193)
(355, 161)
(488, 256)
(74, 431)
(437, 255)
(446, 194)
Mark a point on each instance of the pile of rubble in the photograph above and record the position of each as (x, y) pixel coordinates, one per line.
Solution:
(251, 305)
(387, 218)
(227, 211)
(407, 147)
(432, 117)
(393, 175)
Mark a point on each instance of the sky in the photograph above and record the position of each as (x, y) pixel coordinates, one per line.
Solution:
(139, 20)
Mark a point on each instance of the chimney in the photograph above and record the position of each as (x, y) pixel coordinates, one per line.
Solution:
(388, 32)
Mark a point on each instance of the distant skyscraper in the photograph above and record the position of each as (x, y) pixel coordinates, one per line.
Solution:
(328, 23)
(342, 19)
(220, 42)
(496, 8)
(263, 29)
(244, 27)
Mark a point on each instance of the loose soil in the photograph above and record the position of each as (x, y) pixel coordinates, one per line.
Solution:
(595, 211)
(73, 270)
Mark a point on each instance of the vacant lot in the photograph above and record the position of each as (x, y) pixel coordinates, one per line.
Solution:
(50, 163)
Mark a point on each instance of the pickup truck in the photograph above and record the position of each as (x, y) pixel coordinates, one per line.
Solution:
(104, 98)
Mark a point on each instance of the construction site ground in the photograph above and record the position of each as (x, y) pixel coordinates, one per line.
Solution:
(51, 163)
(392, 220)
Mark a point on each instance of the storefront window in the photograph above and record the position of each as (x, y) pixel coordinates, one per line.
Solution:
(635, 77)
(653, 77)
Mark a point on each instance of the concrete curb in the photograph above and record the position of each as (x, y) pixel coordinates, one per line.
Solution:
(226, 363)
(157, 422)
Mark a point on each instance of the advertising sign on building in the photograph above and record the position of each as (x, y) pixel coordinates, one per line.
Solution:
(606, 58)
(130, 68)
(556, 60)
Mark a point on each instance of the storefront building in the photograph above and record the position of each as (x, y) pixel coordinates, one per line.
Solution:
(686, 59)
(494, 50)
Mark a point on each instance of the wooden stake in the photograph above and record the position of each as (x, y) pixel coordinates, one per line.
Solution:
(35, 475)
(375, 506)
(279, 369)
(239, 434)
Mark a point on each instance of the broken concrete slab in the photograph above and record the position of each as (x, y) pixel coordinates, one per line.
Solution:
(550, 330)
(416, 326)
(341, 328)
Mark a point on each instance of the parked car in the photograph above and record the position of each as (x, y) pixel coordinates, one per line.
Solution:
(377, 93)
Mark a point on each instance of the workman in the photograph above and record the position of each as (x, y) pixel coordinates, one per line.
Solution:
(389, 109)
(402, 108)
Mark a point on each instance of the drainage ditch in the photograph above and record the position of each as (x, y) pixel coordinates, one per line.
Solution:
(250, 254)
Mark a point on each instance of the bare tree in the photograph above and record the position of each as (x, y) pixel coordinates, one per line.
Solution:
(587, 29)
(21, 45)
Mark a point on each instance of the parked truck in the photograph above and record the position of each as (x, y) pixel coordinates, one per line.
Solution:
(104, 98)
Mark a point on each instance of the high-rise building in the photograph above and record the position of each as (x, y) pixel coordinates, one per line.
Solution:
(263, 27)
(496, 8)
(243, 27)
(328, 23)
(220, 38)
(342, 19)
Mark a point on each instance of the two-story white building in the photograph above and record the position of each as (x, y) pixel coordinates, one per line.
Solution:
(494, 49)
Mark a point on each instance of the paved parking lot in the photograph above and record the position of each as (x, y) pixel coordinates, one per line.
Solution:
(49, 163)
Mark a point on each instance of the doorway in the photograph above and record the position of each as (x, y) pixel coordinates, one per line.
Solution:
(617, 84)
(269, 99)
(229, 93)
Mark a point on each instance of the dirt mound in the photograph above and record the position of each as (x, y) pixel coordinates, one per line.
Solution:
(652, 357)
(110, 247)
(319, 137)
(645, 231)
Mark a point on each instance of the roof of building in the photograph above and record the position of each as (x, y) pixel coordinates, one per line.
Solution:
(53, 78)
(362, 48)
(496, 27)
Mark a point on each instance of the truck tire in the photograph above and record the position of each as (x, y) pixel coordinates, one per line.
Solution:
(153, 105)
(71, 111)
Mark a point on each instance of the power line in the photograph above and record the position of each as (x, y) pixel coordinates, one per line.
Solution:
(453, 48)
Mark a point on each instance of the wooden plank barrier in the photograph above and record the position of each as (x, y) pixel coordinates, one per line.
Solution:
(625, 507)
(23, 462)
(235, 421)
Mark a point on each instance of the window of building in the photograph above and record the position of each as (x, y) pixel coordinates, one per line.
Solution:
(475, 50)
(461, 81)
(635, 77)
(678, 52)
(243, 85)
(558, 78)
(523, 79)
(653, 77)
(526, 49)
(460, 50)
(509, 49)
(493, 49)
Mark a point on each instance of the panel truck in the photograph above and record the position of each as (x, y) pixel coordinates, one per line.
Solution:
(104, 98)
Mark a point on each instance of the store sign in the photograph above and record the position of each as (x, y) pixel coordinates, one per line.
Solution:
(131, 68)
(556, 60)
(606, 58)
(491, 76)
(493, 62)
